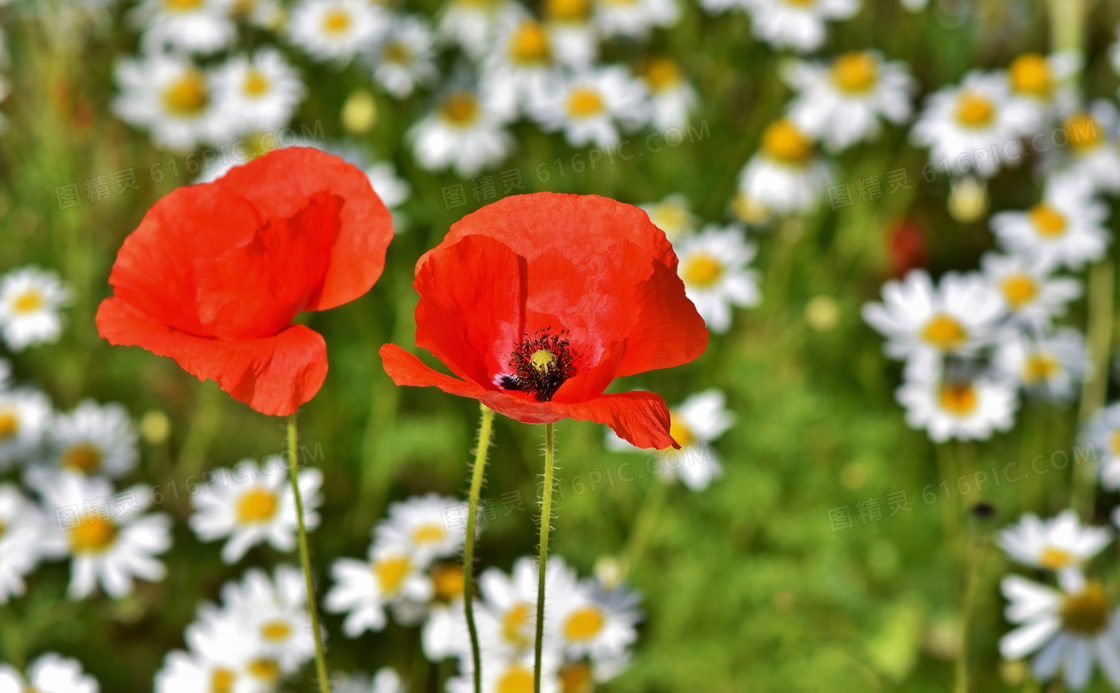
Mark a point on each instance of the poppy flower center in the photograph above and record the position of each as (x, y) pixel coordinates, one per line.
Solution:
(662, 74)
(257, 505)
(530, 44)
(221, 681)
(958, 399)
(944, 333)
(276, 631)
(391, 573)
(1054, 559)
(83, 458)
(1030, 74)
(584, 624)
(1048, 221)
(541, 364)
(9, 425)
(188, 95)
(516, 680)
(336, 22)
(96, 535)
(974, 110)
(584, 103)
(576, 678)
(1019, 290)
(784, 143)
(567, 9)
(448, 582)
(1086, 613)
(264, 669)
(855, 73)
(1040, 368)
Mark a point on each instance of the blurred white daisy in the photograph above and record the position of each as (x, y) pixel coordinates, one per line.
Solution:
(797, 24)
(1093, 150)
(574, 37)
(962, 124)
(385, 680)
(785, 175)
(363, 589)
(274, 612)
(1042, 82)
(471, 23)
(404, 58)
(1057, 544)
(170, 97)
(105, 534)
(264, 14)
(24, 417)
(521, 67)
(258, 94)
(1072, 630)
(1067, 228)
(1031, 295)
(21, 529)
(672, 215)
(254, 504)
(634, 18)
(463, 133)
(957, 408)
(30, 300)
(958, 316)
(844, 103)
(419, 525)
(509, 673)
(1052, 365)
(49, 673)
(222, 655)
(588, 620)
(714, 269)
(591, 106)
(1102, 437)
(336, 30)
(445, 630)
(93, 439)
(507, 612)
(671, 97)
(189, 26)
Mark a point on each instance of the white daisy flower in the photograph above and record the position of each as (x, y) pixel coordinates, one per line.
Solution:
(521, 68)
(30, 299)
(93, 439)
(24, 416)
(49, 673)
(1093, 151)
(1102, 433)
(591, 106)
(389, 186)
(957, 408)
(634, 18)
(386, 680)
(1031, 296)
(471, 23)
(785, 175)
(170, 97)
(363, 589)
(1053, 365)
(1067, 228)
(962, 124)
(672, 215)
(263, 14)
(258, 94)
(507, 612)
(274, 611)
(714, 269)
(1057, 544)
(1074, 629)
(844, 103)
(257, 507)
(503, 673)
(463, 133)
(1042, 82)
(187, 26)
(105, 534)
(404, 59)
(336, 30)
(671, 97)
(221, 658)
(573, 35)
(589, 620)
(797, 24)
(21, 529)
(445, 631)
(419, 526)
(958, 316)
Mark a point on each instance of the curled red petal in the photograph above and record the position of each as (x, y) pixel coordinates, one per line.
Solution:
(640, 418)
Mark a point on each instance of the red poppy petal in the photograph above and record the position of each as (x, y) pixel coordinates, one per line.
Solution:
(469, 314)
(641, 418)
(274, 375)
(279, 182)
(669, 330)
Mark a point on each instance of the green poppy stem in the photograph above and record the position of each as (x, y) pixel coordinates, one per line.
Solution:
(305, 561)
(477, 476)
(546, 520)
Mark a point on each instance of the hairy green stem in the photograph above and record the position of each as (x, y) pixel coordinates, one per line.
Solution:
(542, 567)
(477, 475)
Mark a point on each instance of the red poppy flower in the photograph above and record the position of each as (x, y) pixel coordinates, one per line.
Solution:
(215, 274)
(537, 302)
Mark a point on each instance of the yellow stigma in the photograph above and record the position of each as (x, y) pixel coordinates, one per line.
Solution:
(1040, 368)
(974, 110)
(336, 21)
(945, 333)
(1086, 613)
(221, 681)
(428, 534)
(784, 143)
(1030, 74)
(9, 424)
(257, 505)
(584, 624)
(391, 573)
(276, 631)
(256, 83)
(516, 679)
(1019, 290)
(542, 360)
(1048, 221)
(93, 536)
(567, 10)
(83, 458)
(460, 108)
(662, 74)
(855, 73)
(584, 102)
(958, 399)
(1055, 559)
(702, 270)
(188, 95)
(530, 44)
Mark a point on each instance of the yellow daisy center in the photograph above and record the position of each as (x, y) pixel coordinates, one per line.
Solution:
(1040, 368)
(188, 95)
(855, 73)
(1116, 442)
(662, 74)
(1055, 559)
(584, 624)
(784, 143)
(530, 44)
(680, 430)
(182, 5)
(567, 10)
(1019, 289)
(1084, 132)
(336, 21)
(95, 535)
(276, 631)
(460, 108)
(29, 301)
(801, 3)
(514, 625)
(256, 83)
(448, 582)
(256, 505)
(974, 110)
(221, 681)
(83, 458)
(959, 399)
(267, 670)
(702, 270)
(670, 217)
(3, 529)
(944, 332)
(577, 678)
(515, 680)
(1086, 613)
(428, 534)
(1048, 221)
(9, 424)
(584, 102)
(1030, 74)
(396, 52)
(391, 573)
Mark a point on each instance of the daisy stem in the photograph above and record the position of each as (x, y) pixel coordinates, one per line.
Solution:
(546, 520)
(305, 561)
(477, 475)
(647, 518)
(1099, 329)
(971, 579)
